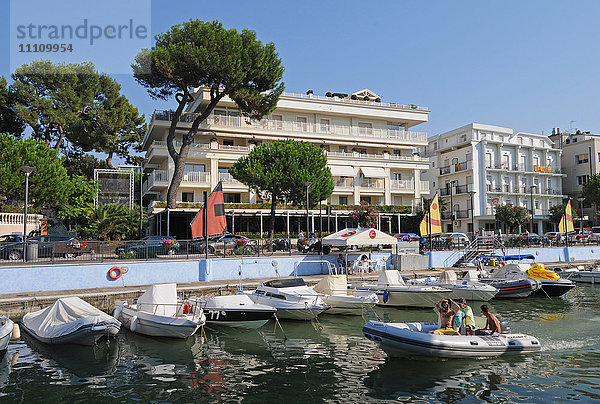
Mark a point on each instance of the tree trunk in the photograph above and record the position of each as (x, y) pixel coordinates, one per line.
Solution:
(109, 159)
(272, 224)
(178, 174)
(60, 138)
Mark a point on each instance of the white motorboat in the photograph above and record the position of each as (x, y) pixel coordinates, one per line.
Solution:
(512, 281)
(237, 311)
(158, 313)
(70, 320)
(291, 297)
(407, 339)
(334, 292)
(584, 276)
(392, 291)
(6, 329)
(469, 288)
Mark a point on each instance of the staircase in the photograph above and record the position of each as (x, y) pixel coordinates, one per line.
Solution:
(479, 246)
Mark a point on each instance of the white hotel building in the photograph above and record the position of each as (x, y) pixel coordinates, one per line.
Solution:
(370, 145)
(476, 167)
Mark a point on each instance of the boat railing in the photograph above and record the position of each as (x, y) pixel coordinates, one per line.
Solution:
(180, 308)
(330, 267)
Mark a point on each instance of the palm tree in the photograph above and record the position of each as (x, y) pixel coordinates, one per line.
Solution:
(110, 221)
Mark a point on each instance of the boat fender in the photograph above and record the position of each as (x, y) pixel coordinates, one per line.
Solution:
(16, 334)
(117, 312)
(386, 296)
(115, 273)
(133, 323)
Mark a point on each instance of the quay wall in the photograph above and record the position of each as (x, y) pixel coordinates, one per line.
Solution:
(87, 275)
(439, 259)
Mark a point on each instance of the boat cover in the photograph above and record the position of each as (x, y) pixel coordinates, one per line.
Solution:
(519, 257)
(159, 299)
(64, 317)
(333, 285)
(390, 278)
(511, 272)
(471, 275)
(230, 301)
(448, 276)
(285, 283)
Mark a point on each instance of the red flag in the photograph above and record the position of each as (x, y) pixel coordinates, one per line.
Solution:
(216, 215)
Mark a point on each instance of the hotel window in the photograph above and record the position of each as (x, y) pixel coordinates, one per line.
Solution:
(232, 198)
(324, 125)
(536, 160)
(581, 159)
(397, 153)
(365, 128)
(187, 197)
(227, 142)
(196, 168)
(582, 179)
(302, 123)
(488, 160)
(342, 149)
(505, 161)
(277, 121)
(366, 199)
(598, 156)
(397, 176)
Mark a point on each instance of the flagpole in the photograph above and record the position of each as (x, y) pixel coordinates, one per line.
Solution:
(206, 224)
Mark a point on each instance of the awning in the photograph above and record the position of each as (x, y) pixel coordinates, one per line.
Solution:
(342, 171)
(373, 172)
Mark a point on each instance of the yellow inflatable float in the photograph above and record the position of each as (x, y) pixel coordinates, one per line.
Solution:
(539, 271)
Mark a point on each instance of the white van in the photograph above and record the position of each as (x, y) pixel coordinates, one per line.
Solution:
(595, 234)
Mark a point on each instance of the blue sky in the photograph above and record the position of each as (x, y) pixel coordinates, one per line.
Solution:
(530, 65)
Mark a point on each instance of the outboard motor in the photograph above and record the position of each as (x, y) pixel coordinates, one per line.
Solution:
(504, 326)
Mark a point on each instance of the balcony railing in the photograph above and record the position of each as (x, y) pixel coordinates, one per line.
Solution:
(458, 189)
(344, 182)
(458, 214)
(348, 100)
(228, 179)
(445, 170)
(196, 177)
(372, 183)
(296, 127)
(424, 186)
(465, 165)
(402, 184)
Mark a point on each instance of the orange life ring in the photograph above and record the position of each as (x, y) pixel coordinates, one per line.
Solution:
(115, 273)
(187, 308)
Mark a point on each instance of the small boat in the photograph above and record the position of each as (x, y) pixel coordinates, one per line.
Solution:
(292, 298)
(6, 329)
(237, 311)
(584, 275)
(511, 281)
(552, 284)
(409, 339)
(469, 288)
(70, 320)
(334, 292)
(158, 313)
(392, 291)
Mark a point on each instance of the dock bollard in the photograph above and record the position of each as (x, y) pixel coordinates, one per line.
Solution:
(16, 334)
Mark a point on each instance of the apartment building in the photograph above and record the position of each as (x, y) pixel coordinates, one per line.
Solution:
(371, 148)
(477, 167)
(580, 159)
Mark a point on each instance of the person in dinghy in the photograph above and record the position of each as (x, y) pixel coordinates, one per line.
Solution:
(492, 325)
(444, 308)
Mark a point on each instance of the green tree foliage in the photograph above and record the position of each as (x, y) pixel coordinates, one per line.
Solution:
(591, 191)
(278, 171)
(9, 122)
(512, 216)
(73, 106)
(204, 54)
(79, 202)
(112, 222)
(83, 164)
(49, 183)
(365, 215)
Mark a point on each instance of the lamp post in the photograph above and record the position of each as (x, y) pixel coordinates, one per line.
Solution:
(451, 206)
(27, 170)
(531, 196)
(307, 184)
(581, 199)
(232, 221)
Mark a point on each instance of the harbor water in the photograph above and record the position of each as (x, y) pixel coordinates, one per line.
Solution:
(323, 361)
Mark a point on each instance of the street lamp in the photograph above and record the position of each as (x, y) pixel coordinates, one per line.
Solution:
(232, 221)
(307, 184)
(581, 199)
(27, 170)
(531, 195)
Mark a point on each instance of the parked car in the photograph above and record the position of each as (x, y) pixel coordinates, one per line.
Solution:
(595, 237)
(408, 237)
(225, 242)
(454, 240)
(554, 237)
(52, 245)
(530, 238)
(11, 247)
(150, 246)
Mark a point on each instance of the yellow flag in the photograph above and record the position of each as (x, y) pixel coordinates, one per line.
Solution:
(432, 219)
(566, 223)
